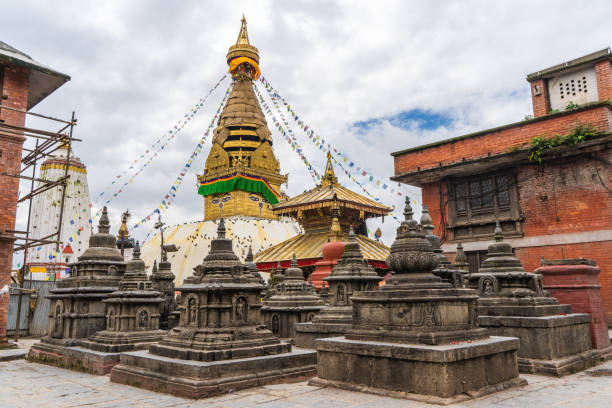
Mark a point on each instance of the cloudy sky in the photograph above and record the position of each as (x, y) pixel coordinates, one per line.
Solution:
(370, 77)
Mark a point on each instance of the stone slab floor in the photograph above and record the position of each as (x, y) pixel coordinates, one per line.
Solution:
(25, 384)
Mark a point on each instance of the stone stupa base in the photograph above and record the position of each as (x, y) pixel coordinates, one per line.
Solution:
(307, 333)
(440, 374)
(90, 356)
(201, 379)
(551, 345)
(73, 357)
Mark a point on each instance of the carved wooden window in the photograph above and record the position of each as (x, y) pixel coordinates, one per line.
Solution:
(476, 202)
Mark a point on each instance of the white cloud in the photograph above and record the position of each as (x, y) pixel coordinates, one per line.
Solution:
(137, 66)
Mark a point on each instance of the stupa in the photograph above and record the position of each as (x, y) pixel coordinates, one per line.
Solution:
(46, 262)
(445, 269)
(162, 280)
(417, 337)
(241, 180)
(351, 274)
(294, 301)
(220, 343)
(132, 321)
(326, 213)
(77, 310)
(461, 262)
(512, 302)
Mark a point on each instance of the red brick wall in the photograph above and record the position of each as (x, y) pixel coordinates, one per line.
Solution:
(501, 141)
(539, 102)
(604, 80)
(15, 88)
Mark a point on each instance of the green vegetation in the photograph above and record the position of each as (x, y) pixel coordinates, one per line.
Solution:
(571, 106)
(540, 144)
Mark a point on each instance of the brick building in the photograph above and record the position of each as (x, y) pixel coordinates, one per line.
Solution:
(552, 201)
(23, 84)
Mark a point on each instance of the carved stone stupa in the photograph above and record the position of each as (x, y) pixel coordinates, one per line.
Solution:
(352, 273)
(513, 303)
(132, 313)
(162, 280)
(294, 301)
(77, 310)
(219, 343)
(417, 337)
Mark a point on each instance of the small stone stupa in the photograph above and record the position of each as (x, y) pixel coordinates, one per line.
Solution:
(219, 343)
(461, 262)
(513, 303)
(162, 280)
(417, 337)
(294, 301)
(445, 269)
(77, 310)
(132, 320)
(352, 273)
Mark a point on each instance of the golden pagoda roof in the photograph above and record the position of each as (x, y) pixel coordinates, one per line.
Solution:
(328, 193)
(309, 246)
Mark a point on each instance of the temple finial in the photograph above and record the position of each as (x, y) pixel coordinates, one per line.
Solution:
(329, 177)
(154, 270)
(499, 235)
(294, 263)
(104, 223)
(426, 221)
(221, 229)
(335, 231)
(407, 210)
(136, 251)
(351, 234)
(249, 257)
(243, 35)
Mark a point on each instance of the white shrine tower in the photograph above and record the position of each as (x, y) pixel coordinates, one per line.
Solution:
(44, 261)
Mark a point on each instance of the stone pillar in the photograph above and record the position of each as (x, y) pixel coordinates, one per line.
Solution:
(332, 251)
(574, 282)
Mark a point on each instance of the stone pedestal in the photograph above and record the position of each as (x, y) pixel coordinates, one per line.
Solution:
(417, 337)
(219, 343)
(332, 251)
(512, 302)
(77, 310)
(293, 301)
(574, 282)
(352, 273)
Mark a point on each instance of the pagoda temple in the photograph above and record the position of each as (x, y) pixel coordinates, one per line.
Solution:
(326, 213)
(241, 180)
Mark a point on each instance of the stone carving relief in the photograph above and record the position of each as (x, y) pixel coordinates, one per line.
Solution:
(275, 324)
(113, 270)
(191, 309)
(241, 310)
(142, 319)
(58, 321)
(429, 315)
(488, 286)
(110, 319)
(341, 294)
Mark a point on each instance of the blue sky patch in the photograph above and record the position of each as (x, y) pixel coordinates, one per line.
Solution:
(426, 120)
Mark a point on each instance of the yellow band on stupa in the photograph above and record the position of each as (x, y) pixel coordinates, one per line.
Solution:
(237, 61)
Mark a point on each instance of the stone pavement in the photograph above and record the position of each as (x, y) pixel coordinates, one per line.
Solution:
(26, 384)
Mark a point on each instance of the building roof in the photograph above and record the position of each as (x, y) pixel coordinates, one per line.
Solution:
(309, 246)
(43, 79)
(596, 56)
(326, 193)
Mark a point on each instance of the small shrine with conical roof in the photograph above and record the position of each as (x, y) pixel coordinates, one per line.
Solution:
(294, 301)
(417, 337)
(132, 321)
(220, 342)
(352, 273)
(512, 302)
(162, 280)
(326, 214)
(77, 310)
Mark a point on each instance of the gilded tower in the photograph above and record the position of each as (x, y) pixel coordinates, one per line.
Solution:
(241, 175)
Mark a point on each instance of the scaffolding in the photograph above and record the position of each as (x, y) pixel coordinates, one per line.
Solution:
(45, 143)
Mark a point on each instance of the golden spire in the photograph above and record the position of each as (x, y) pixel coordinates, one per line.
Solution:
(329, 178)
(335, 232)
(124, 232)
(242, 57)
(243, 35)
